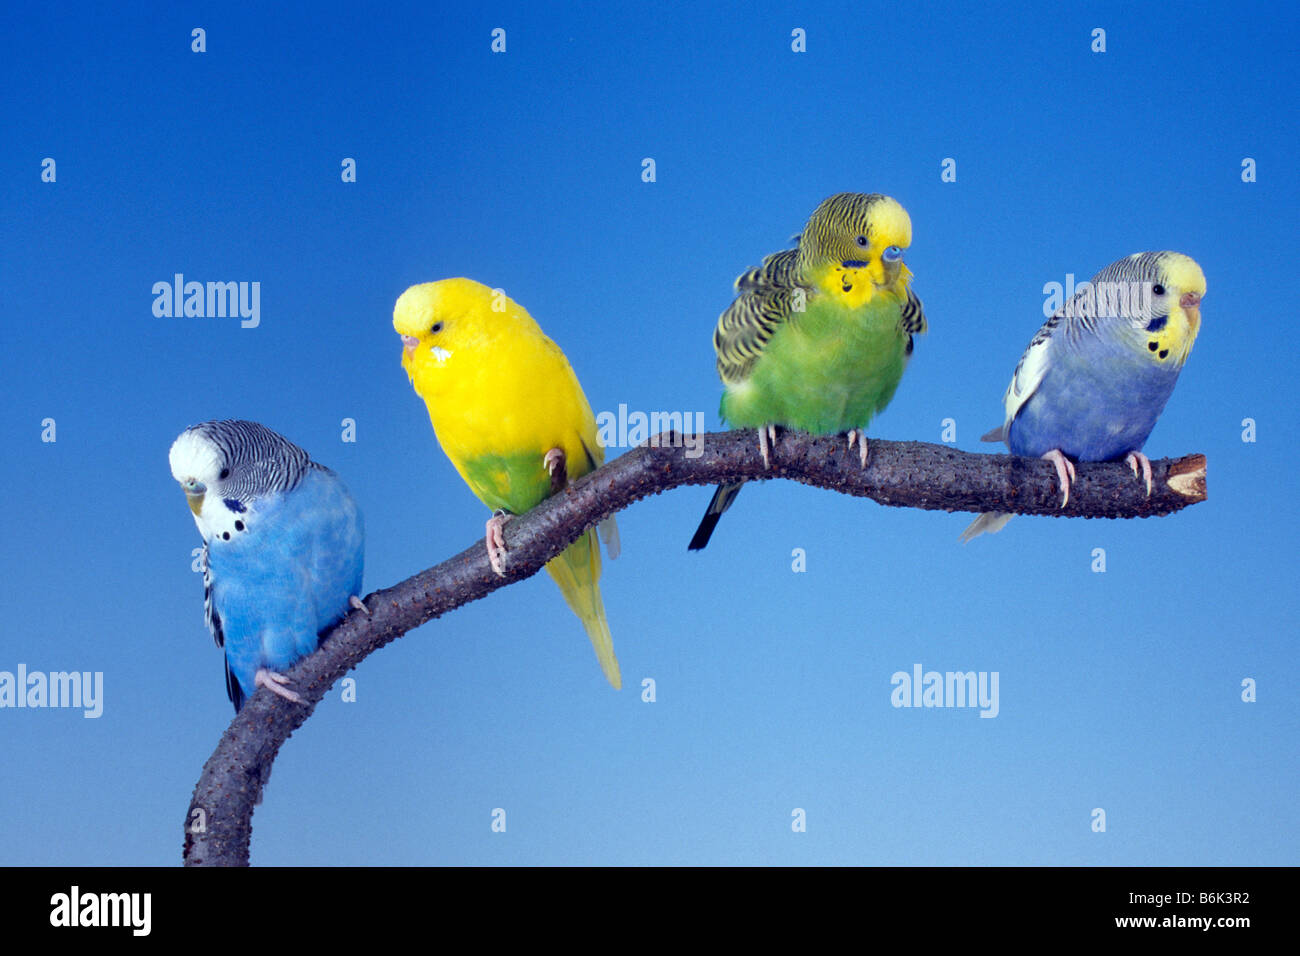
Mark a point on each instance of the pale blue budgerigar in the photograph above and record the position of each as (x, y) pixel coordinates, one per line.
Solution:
(1096, 377)
(283, 545)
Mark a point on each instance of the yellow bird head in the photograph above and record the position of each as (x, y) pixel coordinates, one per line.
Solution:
(1183, 282)
(1178, 288)
(850, 234)
(445, 324)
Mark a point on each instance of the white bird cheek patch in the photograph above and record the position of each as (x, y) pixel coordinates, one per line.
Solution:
(440, 354)
(221, 522)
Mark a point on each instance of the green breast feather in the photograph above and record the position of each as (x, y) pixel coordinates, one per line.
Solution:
(514, 483)
(825, 370)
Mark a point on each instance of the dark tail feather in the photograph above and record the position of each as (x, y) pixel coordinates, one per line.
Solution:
(233, 690)
(722, 499)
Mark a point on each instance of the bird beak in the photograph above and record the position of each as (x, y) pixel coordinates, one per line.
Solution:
(892, 270)
(195, 499)
(1191, 303)
(409, 344)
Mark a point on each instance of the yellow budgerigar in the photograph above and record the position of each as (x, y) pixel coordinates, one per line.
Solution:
(510, 414)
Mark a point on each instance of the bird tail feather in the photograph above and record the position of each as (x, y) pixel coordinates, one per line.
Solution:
(722, 499)
(577, 572)
(609, 534)
(990, 522)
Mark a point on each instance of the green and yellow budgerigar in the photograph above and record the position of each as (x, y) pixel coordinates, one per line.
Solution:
(819, 335)
(507, 409)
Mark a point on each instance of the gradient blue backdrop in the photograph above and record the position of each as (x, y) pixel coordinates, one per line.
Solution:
(1119, 690)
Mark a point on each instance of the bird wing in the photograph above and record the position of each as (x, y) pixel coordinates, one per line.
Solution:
(912, 315)
(765, 301)
(608, 527)
(210, 614)
(213, 619)
(1031, 368)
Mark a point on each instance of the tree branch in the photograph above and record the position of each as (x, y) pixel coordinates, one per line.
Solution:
(904, 474)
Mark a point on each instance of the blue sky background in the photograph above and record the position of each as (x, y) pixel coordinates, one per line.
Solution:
(1119, 690)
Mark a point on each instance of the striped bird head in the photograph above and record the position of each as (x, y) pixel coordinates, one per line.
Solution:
(1156, 297)
(225, 466)
(852, 237)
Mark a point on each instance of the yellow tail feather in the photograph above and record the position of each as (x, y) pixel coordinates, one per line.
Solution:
(577, 571)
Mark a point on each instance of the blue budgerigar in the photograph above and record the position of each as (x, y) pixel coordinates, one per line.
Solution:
(283, 546)
(1095, 378)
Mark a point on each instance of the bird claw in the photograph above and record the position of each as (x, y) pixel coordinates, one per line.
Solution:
(496, 542)
(1064, 472)
(275, 684)
(357, 603)
(766, 434)
(555, 463)
(1136, 458)
(861, 438)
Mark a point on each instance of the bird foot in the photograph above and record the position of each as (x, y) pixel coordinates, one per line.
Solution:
(1064, 472)
(357, 603)
(496, 542)
(554, 461)
(861, 438)
(1136, 458)
(766, 435)
(275, 684)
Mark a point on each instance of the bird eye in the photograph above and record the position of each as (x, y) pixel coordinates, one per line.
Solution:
(1158, 289)
(892, 254)
(225, 473)
(862, 241)
(437, 327)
